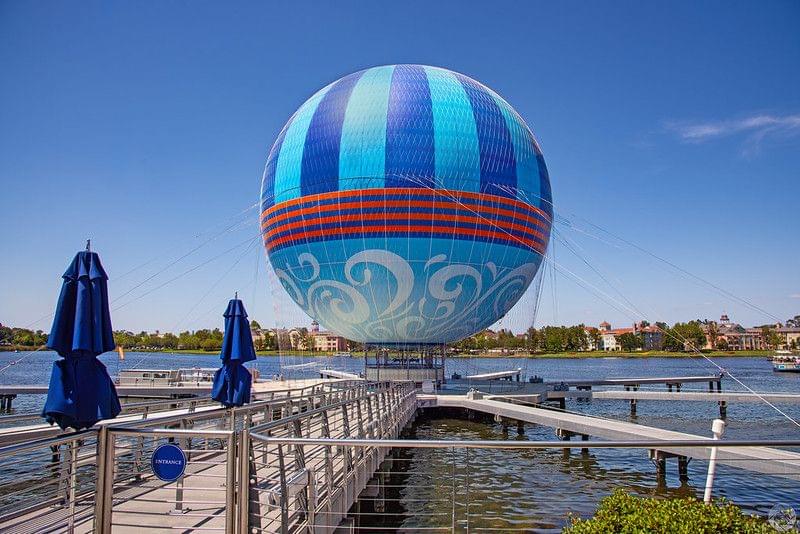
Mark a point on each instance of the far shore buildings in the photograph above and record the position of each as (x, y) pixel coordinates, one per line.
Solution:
(298, 338)
(327, 341)
(652, 337)
(727, 335)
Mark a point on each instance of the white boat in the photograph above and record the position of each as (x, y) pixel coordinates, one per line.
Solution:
(785, 361)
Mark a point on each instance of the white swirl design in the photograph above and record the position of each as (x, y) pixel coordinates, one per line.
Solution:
(375, 296)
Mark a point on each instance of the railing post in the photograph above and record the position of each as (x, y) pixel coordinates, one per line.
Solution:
(370, 417)
(104, 485)
(326, 433)
(244, 478)
(230, 485)
(453, 494)
(284, 492)
(73, 482)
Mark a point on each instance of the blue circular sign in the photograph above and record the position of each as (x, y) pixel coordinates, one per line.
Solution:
(168, 462)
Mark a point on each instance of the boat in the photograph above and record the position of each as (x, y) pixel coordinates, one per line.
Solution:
(165, 377)
(785, 361)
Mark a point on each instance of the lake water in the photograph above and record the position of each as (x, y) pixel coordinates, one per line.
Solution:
(533, 489)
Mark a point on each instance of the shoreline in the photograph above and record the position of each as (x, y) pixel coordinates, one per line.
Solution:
(520, 356)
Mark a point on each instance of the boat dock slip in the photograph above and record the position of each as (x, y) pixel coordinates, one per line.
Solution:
(669, 381)
(635, 395)
(757, 459)
(686, 396)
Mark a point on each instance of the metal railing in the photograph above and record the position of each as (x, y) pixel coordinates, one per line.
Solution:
(48, 484)
(130, 496)
(327, 456)
(446, 486)
(299, 489)
(157, 409)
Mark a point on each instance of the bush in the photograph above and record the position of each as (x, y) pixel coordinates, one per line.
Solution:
(626, 514)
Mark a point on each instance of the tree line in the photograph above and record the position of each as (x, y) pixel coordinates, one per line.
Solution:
(677, 338)
(21, 337)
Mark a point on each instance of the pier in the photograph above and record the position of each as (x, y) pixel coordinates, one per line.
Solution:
(296, 459)
(756, 459)
(634, 395)
(714, 382)
(124, 495)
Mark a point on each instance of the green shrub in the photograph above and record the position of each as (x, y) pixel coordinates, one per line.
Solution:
(623, 513)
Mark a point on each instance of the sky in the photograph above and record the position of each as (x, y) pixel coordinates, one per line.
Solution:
(671, 128)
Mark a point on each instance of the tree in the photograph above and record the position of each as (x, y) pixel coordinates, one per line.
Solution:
(713, 333)
(211, 345)
(630, 342)
(771, 338)
(532, 340)
(6, 335)
(684, 337)
(597, 338)
(254, 325)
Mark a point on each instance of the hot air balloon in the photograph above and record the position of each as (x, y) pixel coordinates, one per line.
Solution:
(405, 206)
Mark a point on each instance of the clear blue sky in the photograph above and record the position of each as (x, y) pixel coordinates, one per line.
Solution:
(146, 125)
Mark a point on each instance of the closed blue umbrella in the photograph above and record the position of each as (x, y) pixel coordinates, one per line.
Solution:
(232, 382)
(81, 392)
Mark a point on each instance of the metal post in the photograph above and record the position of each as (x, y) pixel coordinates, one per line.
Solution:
(284, 492)
(230, 485)
(466, 492)
(105, 481)
(326, 433)
(244, 479)
(718, 429)
(453, 494)
(73, 482)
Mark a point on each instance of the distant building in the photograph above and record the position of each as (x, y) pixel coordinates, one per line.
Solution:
(652, 336)
(609, 337)
(728, 335)
(328, 341)
(790, 337)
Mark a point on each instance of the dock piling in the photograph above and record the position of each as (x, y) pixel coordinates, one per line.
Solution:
(723, 410)
(683, 469)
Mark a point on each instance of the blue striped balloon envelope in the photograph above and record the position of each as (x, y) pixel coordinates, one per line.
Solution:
(405, 205)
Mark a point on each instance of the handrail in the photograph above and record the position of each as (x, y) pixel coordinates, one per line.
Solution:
(502, 444)
(209, 411)
(185, 432)
(284, 420)
(58, 440)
